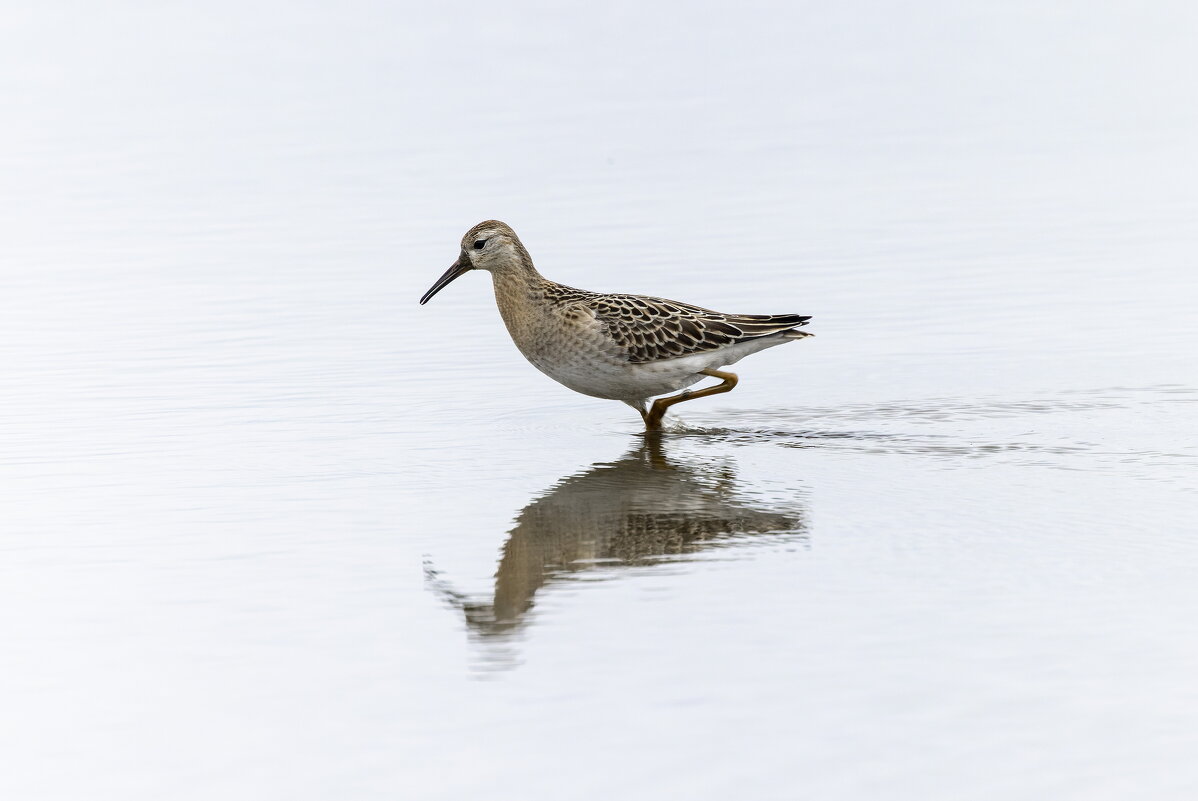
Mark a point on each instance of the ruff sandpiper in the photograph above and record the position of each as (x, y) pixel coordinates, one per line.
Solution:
(628, 348)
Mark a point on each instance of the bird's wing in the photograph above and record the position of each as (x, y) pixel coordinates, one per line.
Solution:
(653, 329)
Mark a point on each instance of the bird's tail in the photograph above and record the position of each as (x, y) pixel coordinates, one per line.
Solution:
(795, 333)
(761, 325)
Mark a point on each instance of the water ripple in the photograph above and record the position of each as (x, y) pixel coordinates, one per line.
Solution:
(1117, 430)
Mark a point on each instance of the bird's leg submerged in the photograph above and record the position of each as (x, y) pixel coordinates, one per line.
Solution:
(658, 409)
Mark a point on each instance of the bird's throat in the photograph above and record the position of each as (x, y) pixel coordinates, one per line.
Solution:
(518, 295)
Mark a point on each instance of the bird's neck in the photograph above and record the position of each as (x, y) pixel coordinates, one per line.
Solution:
(518, 293)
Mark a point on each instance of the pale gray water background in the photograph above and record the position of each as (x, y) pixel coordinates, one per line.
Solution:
(272, 531)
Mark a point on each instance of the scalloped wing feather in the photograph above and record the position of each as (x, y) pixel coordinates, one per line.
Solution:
(651, 329)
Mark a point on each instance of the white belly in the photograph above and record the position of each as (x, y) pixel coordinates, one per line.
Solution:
(616, 381)
(601, 375)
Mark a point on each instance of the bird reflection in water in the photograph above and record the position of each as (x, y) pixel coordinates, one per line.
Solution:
(631, 512)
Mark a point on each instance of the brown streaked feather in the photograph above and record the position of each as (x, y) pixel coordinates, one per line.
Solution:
(652, 329)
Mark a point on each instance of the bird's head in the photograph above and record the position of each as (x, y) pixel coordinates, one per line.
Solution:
(491, 246)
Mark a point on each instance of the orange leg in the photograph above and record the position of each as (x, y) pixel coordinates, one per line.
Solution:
(658, 409)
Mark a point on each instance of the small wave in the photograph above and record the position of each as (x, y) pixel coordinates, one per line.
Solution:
(1139, 431)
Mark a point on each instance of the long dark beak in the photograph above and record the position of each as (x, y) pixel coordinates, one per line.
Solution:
(458, 268)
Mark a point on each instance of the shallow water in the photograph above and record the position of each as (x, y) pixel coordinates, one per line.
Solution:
(271, 530)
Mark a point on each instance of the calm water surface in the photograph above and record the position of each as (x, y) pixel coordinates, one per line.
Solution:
(271, 530)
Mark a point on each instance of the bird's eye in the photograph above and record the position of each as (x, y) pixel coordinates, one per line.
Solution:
(479, 244)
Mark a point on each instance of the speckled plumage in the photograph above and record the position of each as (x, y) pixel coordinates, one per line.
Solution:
(617, 346)
(652, 329)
